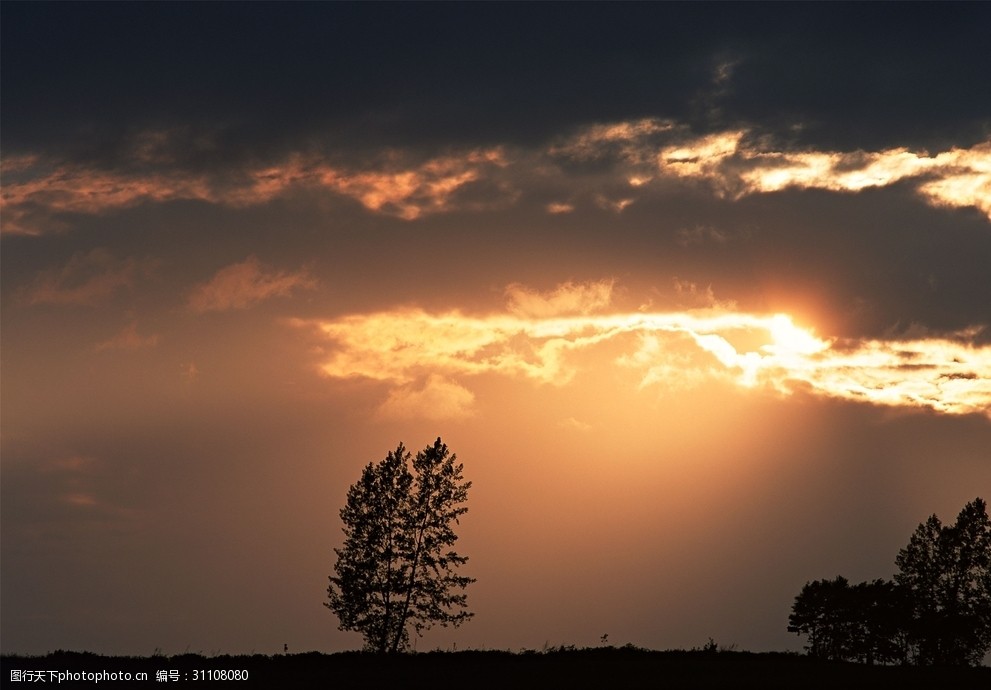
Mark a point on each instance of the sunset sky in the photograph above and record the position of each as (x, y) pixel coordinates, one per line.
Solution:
(699, 294)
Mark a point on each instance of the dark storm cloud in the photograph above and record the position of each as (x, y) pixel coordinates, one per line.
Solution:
(870, 75)
(81, 78)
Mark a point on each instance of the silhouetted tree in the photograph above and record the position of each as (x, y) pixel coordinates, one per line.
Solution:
(817, 613)
(880, 619)
(396, 566)
(946, 573)
(863, 622)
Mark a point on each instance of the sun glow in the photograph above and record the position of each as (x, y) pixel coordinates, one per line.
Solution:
(789, 339)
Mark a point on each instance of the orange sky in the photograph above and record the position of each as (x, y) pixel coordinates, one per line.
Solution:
(701, 325)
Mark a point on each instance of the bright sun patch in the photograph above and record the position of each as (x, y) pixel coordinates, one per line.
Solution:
(787, 338)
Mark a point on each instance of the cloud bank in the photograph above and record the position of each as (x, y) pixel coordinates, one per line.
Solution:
(39, 194)
(948, 374)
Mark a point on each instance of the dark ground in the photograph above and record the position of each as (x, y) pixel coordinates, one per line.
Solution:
(598, 668)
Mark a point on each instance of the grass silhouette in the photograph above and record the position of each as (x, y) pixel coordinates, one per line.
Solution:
(566, 666)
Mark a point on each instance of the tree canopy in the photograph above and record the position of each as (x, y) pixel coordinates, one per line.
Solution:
(397, 568)
(946, 574)
(845, 622)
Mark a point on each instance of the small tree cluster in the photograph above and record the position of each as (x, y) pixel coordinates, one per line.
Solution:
(396, 566)
(937, 611)
(844, 622)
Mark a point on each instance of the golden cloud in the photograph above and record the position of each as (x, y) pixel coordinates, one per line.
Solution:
(86, 279)
(437, 399)
(240, 285)
(630, 139)
(958, 178)
(128, 339)
(35, 192)
(947, 374)
(556, 207)
(567, 298)
(735, 166)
